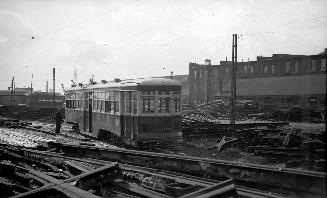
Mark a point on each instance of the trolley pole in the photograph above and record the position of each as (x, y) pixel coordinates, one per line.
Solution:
(233, 84)
(54, 85)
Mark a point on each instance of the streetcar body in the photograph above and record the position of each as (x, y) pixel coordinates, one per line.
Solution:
(131, 111)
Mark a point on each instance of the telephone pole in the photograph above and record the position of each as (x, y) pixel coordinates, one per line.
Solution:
(54, 85)
(32, 85)
(12, 89)
(233, 83)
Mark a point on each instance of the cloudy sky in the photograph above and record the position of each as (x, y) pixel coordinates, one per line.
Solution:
(143, 38)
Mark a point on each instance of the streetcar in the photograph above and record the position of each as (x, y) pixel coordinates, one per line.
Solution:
(132, 112)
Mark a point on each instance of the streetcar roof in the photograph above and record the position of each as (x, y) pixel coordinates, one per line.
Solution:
(142, 82)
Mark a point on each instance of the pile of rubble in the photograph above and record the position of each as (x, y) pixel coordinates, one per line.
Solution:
(247, 109)
(292, 146)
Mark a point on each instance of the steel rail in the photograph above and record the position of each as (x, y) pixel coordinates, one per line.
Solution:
(278, 180)
(179, 177)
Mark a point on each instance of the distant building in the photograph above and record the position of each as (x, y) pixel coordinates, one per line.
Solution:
(45, 100)
(18, 96)
(281, 78)
(7, 99)
(35, 99)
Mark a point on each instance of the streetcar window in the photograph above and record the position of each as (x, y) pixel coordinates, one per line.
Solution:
(163, 92)
(127, 102)
(135, 103)
(176, 104)
(98, 105)
(68, 101)
(116, 102)
(94, 104)
(147, 93)
(112, 106)
(163, 106)
(107, 106)
(116, 107)
(148, 104)
(102, 98)
(74, 99)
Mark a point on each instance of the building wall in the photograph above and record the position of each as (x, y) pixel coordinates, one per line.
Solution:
(14, 100)
(206, 80)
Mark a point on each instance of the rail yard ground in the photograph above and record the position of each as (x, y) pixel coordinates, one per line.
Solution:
(35, 129)
(32, 127)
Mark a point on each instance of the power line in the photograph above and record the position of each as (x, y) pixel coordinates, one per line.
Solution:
(65, 27)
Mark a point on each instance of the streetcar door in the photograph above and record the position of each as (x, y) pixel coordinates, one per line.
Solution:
(128, 125)
(90, 114)
(86, 112)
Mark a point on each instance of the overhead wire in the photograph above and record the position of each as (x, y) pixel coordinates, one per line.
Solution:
(61, 29)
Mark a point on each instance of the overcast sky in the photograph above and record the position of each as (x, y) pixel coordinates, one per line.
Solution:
(138, 38)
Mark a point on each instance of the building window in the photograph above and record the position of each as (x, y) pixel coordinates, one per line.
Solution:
(200, 74)
(226, 70)
(313, 65)
(195, 74)
(288, 67)
(265, 69)
(272, 69)
(296, 67)
(245, 70)
(323, 65)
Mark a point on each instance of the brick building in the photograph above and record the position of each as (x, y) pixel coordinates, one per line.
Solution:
(281, 78)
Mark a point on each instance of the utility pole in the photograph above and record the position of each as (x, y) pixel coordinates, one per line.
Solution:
(54, 85)
(46, 87)
(32, 85)
(12, 89)
(233, 83)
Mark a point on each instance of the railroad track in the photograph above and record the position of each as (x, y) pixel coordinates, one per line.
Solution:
(59, 159)
(277, 180)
